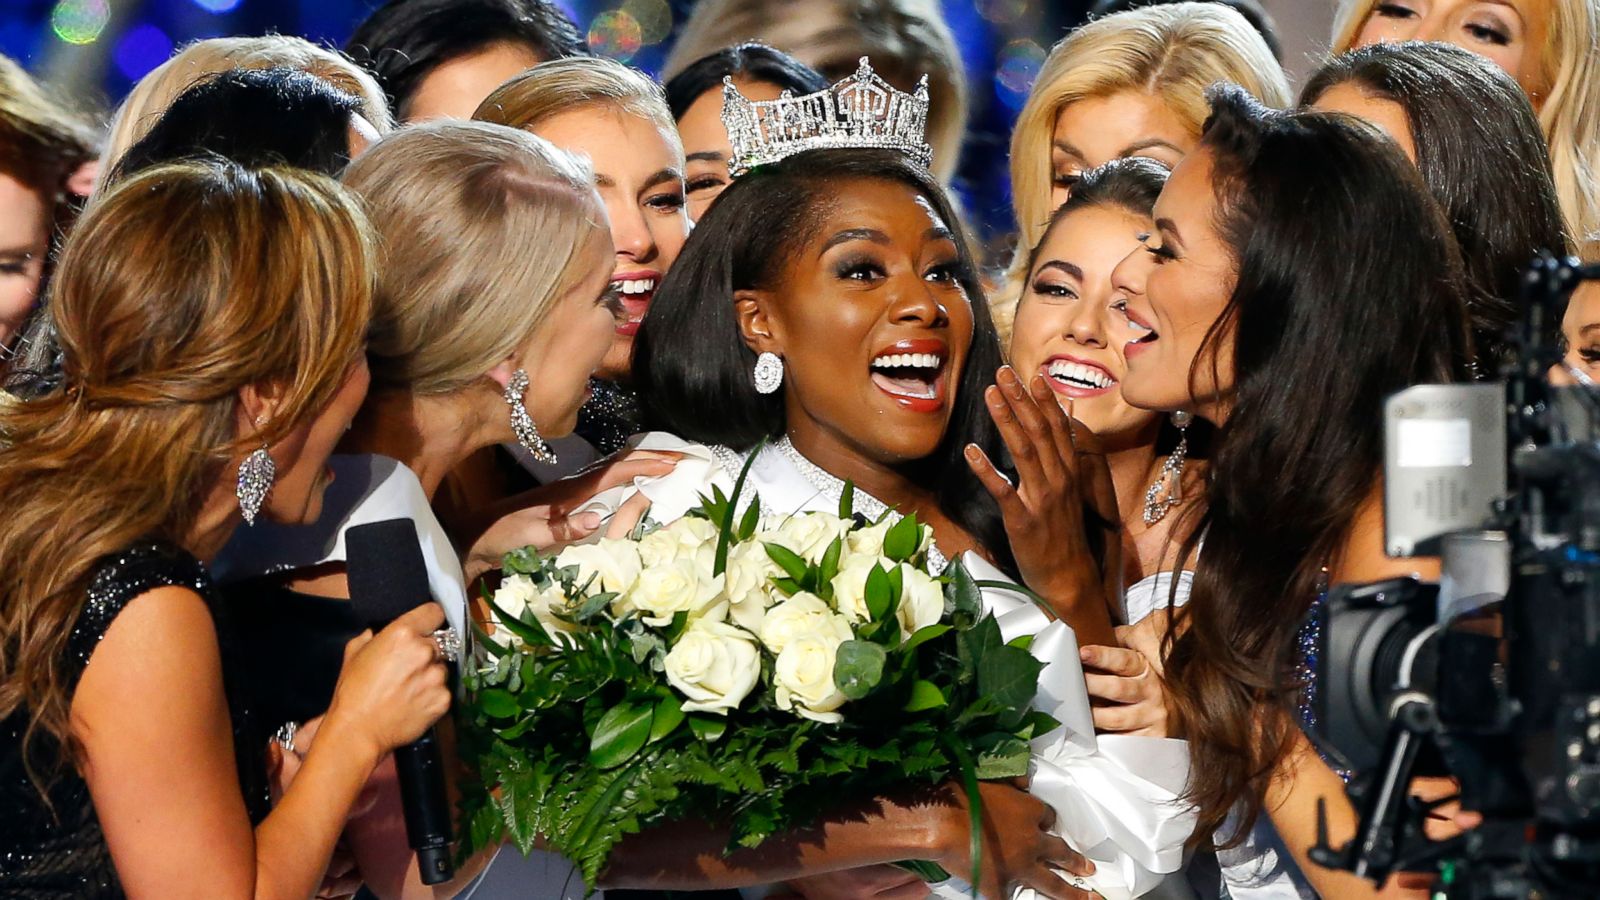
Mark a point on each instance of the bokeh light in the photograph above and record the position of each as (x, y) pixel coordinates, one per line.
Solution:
(654, 18)
(80, 21)
(615, 34)
(217, 6)
(1002, 12)
(1019, 64)
(143, 48)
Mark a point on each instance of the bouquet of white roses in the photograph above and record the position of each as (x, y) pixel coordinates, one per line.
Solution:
(733, 668)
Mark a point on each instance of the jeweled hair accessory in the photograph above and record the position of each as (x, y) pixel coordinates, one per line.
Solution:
(862, 111)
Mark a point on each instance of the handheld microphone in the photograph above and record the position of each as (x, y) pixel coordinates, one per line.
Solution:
(387, 580)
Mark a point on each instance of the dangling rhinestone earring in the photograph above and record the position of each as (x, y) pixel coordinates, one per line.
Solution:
(1167, 491)
(255, 482)
(522, 423)
(769, 373)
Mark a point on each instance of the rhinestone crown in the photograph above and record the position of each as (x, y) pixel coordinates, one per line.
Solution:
(862, 111)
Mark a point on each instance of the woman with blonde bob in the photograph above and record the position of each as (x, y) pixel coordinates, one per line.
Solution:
(1551, 48)
(1130, 84)
(492, 309)
(211, 320)
(198, 61)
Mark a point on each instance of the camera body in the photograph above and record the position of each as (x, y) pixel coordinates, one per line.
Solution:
(1491, 677)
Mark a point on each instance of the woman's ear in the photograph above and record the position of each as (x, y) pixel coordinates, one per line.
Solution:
(258, 404)
(757, 327)
(502, 372)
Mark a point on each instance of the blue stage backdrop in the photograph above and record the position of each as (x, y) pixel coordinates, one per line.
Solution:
(103, 46)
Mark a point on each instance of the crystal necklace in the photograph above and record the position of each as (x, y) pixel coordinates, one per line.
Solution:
(830, 487)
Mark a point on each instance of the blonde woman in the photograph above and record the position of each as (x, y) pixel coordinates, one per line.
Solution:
(1130, 84)
(617, 118)
(1551, 48)
(905, 39)
(212, 322)
(155, 92)
(493, 307)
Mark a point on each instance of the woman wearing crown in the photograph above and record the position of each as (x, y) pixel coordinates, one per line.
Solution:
(846, 335)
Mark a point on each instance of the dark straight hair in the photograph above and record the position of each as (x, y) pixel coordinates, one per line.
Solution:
(403, 41)
(1131, 184)
(254, 117)
(1483, 157)
(1349, 289)
(691, 364)
(751, 61)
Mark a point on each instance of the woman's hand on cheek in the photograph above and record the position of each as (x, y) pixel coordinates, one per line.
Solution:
(1044, 512)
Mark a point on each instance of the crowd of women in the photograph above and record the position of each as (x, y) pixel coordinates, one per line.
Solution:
(449, 272)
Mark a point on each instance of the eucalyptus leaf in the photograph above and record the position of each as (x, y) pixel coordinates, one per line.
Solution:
(858, 667)
(621, 733)
(521, 561)
(593, 605)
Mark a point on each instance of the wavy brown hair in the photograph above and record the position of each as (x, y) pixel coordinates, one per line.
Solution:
(183, 285)
(1299, 196)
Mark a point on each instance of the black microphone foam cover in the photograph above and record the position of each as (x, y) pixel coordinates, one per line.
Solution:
(384, 567)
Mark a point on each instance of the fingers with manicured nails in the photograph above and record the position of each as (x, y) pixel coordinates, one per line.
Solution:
(425, 619)
(1058, 420)
(1114, 660)
(1139, 719)
(627, 516)
(1114, 688)
(997, 484)
(1050, 884)
(1029, 432)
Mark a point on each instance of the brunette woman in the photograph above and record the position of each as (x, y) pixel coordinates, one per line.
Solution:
(1240, 300)
(211, 320)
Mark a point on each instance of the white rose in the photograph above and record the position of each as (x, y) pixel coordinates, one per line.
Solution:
(518, 595)
(869, 541)
(850, 588)
(612, 564)
(714, 665)
(803, 676)
(803, 615)
(748, 583)
(921, 600)
(689, 537)
(808, 534)
(679, 586)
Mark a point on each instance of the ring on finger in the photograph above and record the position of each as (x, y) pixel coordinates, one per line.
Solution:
(446, 644)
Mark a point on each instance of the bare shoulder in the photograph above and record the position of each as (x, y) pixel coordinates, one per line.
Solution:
(1362, 559)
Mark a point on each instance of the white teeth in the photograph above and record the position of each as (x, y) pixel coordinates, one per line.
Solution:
(1080, 375)
(634, 285)
(909, 360)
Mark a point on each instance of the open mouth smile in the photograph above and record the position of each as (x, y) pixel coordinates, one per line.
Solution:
(635, 290)
(913, 373)
(1077, 377)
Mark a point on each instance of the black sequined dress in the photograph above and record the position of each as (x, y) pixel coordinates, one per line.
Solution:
(56, 850)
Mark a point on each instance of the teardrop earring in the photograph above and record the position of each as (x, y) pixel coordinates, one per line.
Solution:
(256, 473)
(1167, 490)
(522, 423)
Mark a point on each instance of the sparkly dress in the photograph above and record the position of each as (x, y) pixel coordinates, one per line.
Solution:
(609, 417)
(56, 849)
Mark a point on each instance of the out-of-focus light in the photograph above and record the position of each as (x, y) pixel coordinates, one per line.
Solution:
(80, 21)
(1018, 66)
(143, 48)
(654, 18)
(1002, 12)
(615, 34)
(217, 6)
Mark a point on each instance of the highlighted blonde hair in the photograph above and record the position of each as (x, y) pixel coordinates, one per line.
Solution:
(1174, 52)
(482, 229)
(904, 39)
(185, 284)
(202, 59)
(1568, 105)
(577, 82)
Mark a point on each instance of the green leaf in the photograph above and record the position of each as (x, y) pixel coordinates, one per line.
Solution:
(877, 593)
(925, 695)
(925, 634)
(594, 604)
(533, 635)
(828, 568)
(858, 667)
(707, 727)
(903, 538)
(751, 520)
(787, 560)
(1021, 642)
(1008, 676)
(481, 637)
(931, 872)
(961, 592)
(1008, 758)
(498, 704)
(847, 500)
(621, 733)
(668, 716)
(969, 781)
(725, 527)
(521, 561)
